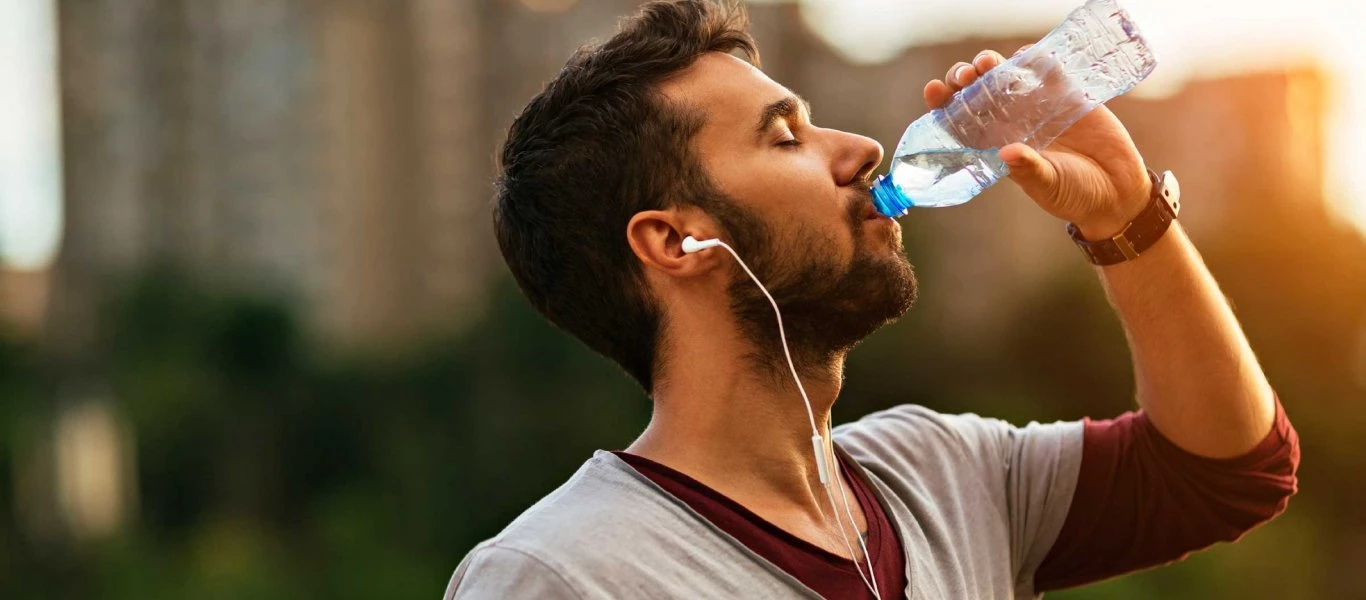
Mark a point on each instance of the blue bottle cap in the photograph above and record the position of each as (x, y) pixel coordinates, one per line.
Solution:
(888, 199)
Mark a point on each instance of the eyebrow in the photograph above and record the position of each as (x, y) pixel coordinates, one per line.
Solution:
(785, 108)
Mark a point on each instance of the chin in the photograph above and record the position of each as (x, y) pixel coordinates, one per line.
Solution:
(829, 308)
(886, 288)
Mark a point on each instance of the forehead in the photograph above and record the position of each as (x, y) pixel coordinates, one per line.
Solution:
(729, 92)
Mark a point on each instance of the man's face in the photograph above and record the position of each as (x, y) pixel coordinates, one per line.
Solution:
(798, 209)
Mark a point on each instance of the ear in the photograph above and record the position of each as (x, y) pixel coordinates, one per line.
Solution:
(656, 238)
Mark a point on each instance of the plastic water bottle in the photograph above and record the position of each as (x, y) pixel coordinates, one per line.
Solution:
(949, 155)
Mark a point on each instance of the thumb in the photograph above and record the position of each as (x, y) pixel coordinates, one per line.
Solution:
(1030, 170)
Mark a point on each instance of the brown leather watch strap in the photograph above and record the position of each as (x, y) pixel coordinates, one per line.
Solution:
(1141, 233)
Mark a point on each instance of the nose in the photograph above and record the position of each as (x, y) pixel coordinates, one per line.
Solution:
(856, 159)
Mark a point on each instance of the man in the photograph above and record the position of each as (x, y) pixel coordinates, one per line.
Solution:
(661, 134)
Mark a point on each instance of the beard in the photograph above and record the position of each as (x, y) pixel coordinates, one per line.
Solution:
(828, 307)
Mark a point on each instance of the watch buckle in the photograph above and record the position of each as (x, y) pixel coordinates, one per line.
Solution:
(1171, 192)
(1125, 246)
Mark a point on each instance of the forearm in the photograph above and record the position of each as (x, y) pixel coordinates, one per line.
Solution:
(1196, 375)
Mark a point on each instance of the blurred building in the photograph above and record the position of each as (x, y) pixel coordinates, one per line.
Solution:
(414, 98)
(332, 152)
(398, 246)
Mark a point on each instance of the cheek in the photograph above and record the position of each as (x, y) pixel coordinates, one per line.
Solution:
(805, 193)
(793, 183)
(795, 194)
(828, 245)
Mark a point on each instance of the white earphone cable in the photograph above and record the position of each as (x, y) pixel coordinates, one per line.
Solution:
(871, 579)
(818, 440)
(868, 556)
(782, 335)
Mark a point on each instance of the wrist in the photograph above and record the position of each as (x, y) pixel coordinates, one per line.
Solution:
(1113, 222)
(1117, 237)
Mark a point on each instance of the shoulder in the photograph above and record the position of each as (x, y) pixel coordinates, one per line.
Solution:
(602, 496)
(909, 424)
(491, 570)
(914, 434)
(552, 548)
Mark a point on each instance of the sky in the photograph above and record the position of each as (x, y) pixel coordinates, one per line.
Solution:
(30, 155)
(1192, 39)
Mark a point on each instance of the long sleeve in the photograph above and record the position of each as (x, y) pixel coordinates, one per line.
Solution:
(1141, 501)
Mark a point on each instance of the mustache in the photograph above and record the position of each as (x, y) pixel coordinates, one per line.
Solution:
(860, 196)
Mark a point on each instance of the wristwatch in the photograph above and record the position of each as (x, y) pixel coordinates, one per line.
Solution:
(1141, 233)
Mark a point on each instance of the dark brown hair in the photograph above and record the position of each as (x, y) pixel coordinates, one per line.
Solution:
(598, 145)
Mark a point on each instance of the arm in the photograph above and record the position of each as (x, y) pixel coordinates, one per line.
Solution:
(1211, 455)
(1197, 377)
(1133, 477)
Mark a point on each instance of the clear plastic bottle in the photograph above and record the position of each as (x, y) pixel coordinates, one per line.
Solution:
(948, 156)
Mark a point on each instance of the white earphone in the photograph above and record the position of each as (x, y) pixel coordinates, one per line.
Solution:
(692, 245)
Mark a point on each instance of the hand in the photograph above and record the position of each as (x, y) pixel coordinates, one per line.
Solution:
(1091, 175)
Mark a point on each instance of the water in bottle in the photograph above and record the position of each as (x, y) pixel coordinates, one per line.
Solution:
(949, 155)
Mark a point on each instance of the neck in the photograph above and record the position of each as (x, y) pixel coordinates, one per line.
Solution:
(740, 428)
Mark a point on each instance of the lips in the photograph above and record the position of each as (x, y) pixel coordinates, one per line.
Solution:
(861, 207)
(871, 213)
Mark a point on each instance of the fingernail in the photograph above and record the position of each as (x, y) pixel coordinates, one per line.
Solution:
(961, 72)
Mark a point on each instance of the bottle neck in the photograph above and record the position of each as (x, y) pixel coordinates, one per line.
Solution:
(889, 199)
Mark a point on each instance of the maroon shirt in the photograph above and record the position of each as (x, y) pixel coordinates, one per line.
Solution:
(1140, 501)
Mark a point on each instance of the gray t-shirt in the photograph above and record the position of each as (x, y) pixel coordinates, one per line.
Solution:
(976, 502)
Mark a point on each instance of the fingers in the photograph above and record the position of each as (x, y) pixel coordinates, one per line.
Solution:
(987, 60)
(960, 75)
(1035, 174)
(937, 94)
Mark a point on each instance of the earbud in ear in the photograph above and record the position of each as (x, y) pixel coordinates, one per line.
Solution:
(692, 245)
